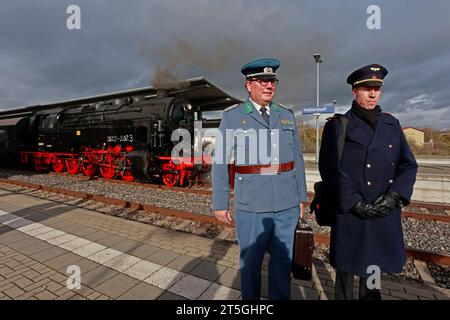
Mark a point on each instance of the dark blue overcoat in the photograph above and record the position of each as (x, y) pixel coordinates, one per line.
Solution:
(373, 162)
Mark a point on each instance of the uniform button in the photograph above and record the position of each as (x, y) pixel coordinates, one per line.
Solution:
(390, 146)
(392, 164)
(271, 133)
(368, 165)
(391, 181)
(240, 178)
(275, 159)
(245, 131)
(274, 145)
(369, 183)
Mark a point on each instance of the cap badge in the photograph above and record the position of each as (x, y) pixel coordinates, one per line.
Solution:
(268, 69)
(374, 69)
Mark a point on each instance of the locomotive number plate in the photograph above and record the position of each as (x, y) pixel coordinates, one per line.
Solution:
(120, 138)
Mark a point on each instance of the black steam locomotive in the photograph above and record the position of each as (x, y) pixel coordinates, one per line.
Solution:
(126, 134)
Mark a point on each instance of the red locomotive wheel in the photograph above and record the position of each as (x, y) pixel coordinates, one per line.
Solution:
(170, 178)
(89, 169)
(108, 172)
(58, 165)
(72, 166)
(127, 175)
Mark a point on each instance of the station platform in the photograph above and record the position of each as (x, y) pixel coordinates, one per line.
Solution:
(43, 241)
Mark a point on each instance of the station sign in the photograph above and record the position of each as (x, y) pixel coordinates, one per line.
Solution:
(320, 109)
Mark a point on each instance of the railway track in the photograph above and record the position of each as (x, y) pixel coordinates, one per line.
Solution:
(168, 214)
(206, 190)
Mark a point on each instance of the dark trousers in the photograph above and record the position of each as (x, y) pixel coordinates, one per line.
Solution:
(344, 288)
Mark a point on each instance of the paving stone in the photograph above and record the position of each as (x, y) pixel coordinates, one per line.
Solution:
(218, 292)
(38, 231)
(89, 249)
(403, 296)
(97, 276)
(11, 263)
(23, 282)
(45, 295)
(25, 242)
(208, 271)
(143, 251)
(142, 291)
(31, 274)
(53, 286)
(184, 263)
(230, 278)
(126, 246)
(122, 262)
(30, 294)
(142, 269)
(302, 293)
(162, 257)
(72, 229)
(86, 265)
(111, 240)
(96, 236)
(50, 235)
(35, 248)
(105, 255)
(421, 293)
(190, 287)
(170, 296)
(13, 292)
(84, 231)
(45, 275)
(94, 295)
(62, 239)
(48, 254)
(117, 285)
(164, 278)
(74, 244)
(18, 222)
(63, 261)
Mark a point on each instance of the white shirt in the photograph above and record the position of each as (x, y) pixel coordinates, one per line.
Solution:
(258, 107)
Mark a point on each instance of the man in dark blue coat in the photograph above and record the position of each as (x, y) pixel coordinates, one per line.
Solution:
(372, 181)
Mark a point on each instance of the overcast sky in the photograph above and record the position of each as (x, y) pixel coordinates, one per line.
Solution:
(122, 44)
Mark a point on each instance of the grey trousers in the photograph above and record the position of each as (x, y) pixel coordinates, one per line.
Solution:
(344, 288)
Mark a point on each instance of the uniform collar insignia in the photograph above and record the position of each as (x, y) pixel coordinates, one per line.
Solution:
(248, 107)
(275, 107)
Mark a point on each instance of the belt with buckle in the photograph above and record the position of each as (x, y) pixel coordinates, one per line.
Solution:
(265, 168)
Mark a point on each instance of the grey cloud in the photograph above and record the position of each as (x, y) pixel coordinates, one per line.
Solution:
(122, 45)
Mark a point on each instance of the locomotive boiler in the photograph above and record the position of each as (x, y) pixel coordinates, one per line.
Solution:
(124, 134)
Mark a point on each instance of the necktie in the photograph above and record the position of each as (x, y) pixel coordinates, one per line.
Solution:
(264, 114)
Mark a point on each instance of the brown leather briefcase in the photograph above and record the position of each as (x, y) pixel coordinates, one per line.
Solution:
(303, 251)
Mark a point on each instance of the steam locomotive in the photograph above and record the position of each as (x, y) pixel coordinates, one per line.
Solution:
(123, 134)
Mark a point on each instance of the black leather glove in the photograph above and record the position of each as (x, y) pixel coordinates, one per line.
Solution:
(388, 202)
(366, 211)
